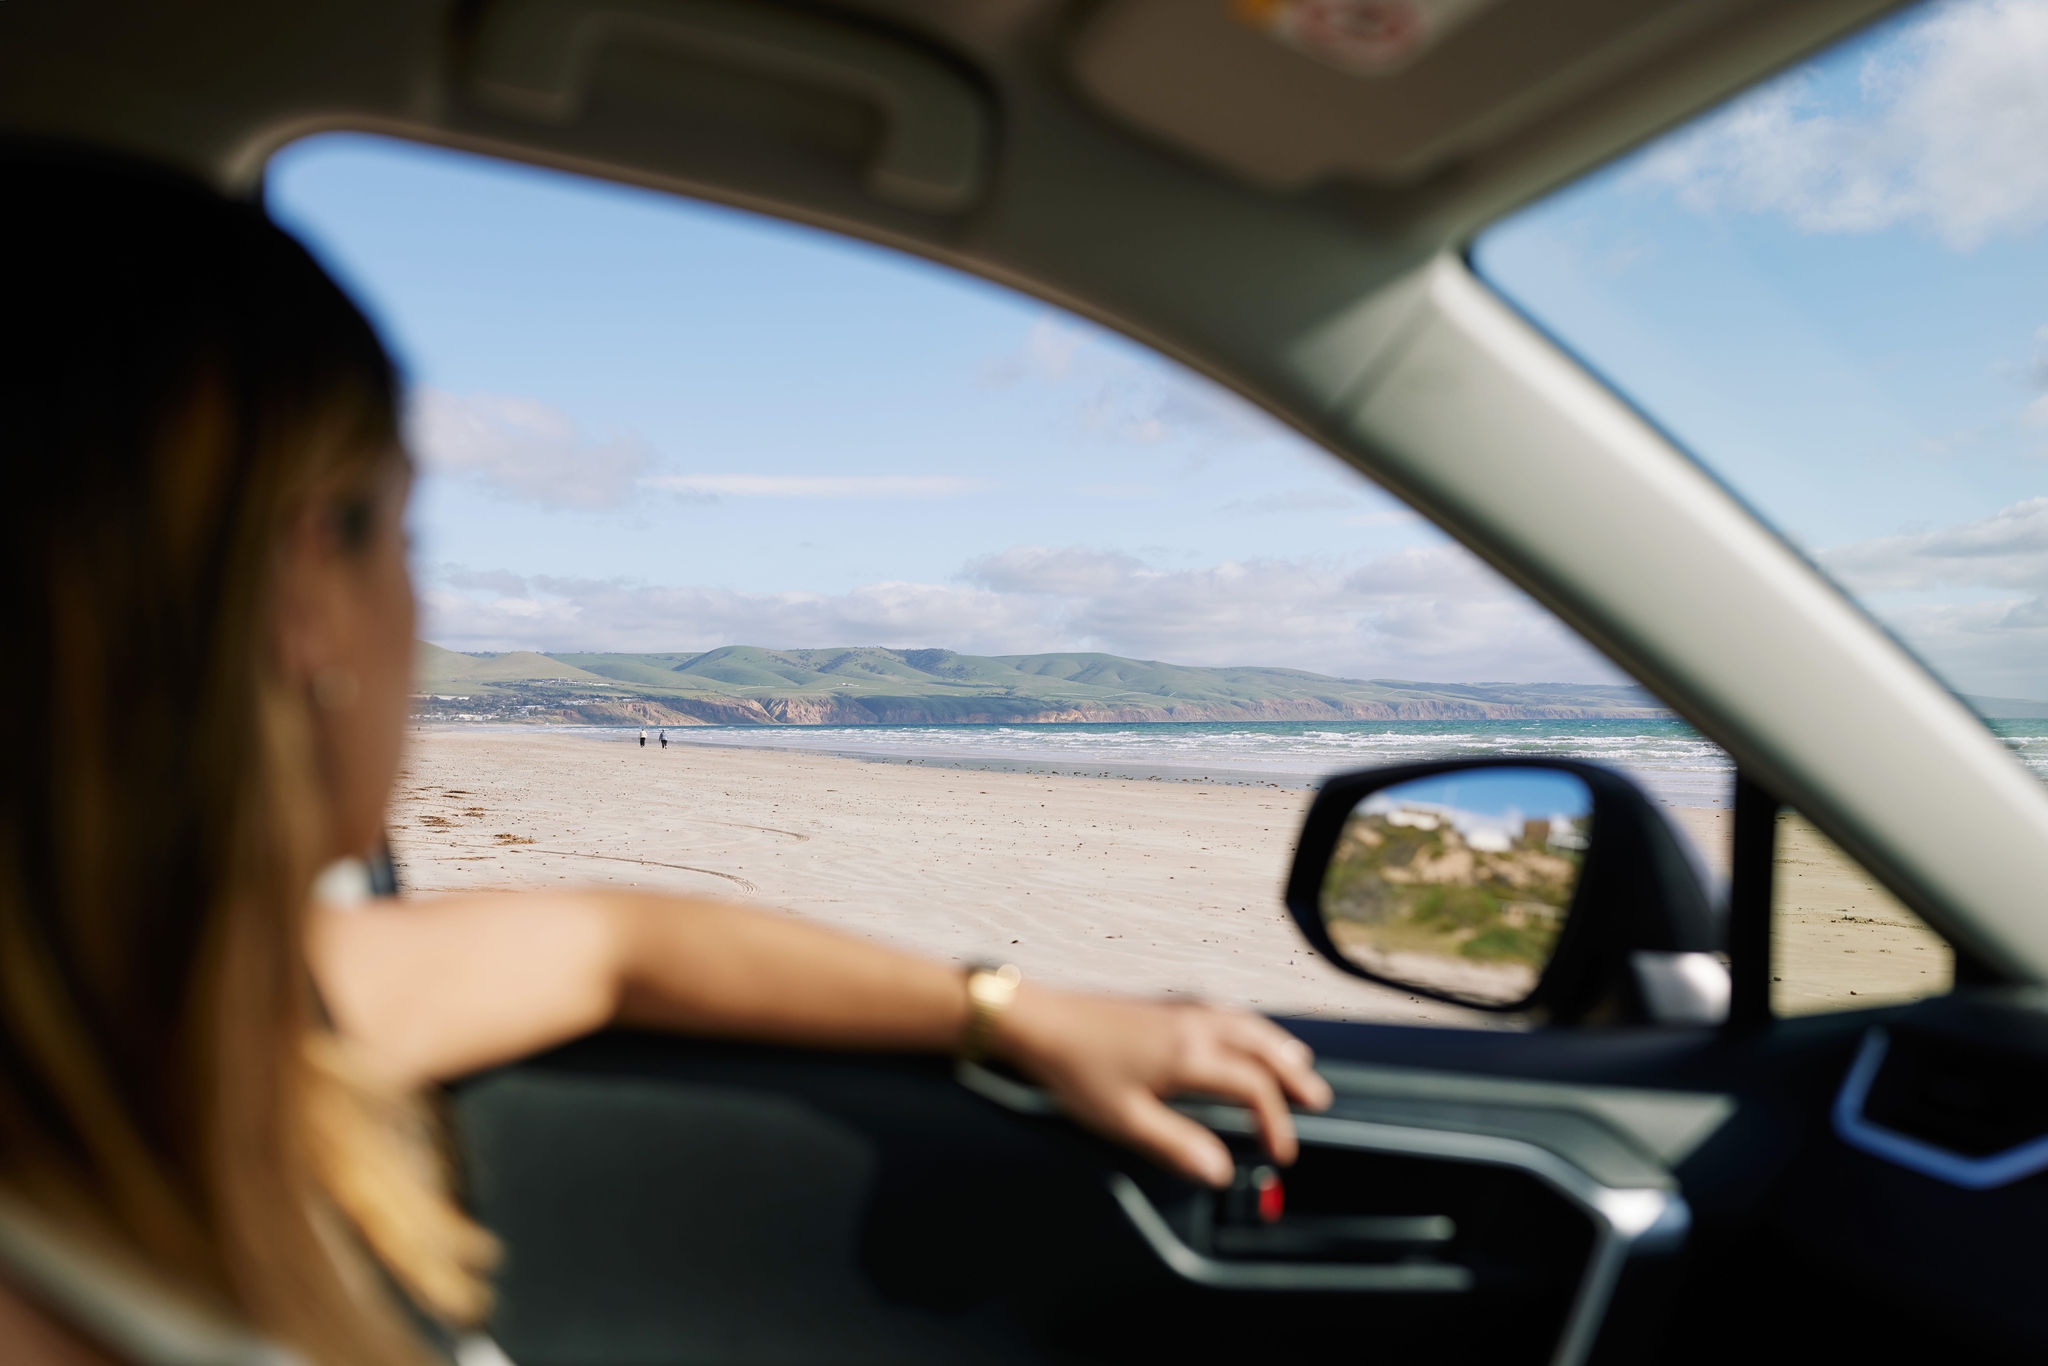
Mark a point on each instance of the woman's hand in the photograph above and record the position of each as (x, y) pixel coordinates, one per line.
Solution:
(1112, 1065)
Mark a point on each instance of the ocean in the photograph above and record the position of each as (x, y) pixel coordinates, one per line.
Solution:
(1668, 757)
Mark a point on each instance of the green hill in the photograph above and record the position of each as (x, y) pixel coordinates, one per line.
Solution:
(439, 669)
(744, 684)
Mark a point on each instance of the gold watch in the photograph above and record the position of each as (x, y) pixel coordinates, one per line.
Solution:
(990, 990)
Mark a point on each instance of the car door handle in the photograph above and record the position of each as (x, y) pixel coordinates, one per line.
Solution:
(1334, 1235)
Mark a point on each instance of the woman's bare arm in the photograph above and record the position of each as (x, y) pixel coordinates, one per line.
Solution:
(445, 986)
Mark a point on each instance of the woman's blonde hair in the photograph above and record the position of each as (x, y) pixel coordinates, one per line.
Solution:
(178, 381)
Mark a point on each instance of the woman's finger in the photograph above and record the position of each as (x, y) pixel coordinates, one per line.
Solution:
(1291, 1060)
(1236, 1076)
(1172, 1140)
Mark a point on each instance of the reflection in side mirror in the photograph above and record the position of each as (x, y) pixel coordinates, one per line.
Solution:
(1459, 883)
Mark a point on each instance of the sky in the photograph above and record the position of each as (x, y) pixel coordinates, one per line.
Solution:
(645, 423)
(1492, 796)
(1834, 292)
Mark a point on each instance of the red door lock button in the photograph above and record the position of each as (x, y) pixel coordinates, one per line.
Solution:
(1272, 1196)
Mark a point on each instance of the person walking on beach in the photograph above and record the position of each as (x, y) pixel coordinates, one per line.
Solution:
(664, 739)
(214, 1113)
(643, 737)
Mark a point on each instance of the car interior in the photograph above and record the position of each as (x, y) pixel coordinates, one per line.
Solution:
(1655, 1173)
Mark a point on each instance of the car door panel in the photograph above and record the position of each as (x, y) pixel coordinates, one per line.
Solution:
(664, 1200)
(668, 1200)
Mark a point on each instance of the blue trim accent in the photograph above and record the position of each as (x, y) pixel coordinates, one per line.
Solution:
(1970, 1173)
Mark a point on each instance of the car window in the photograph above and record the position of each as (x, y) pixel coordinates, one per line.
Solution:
(1834, 291)
(758, 562)
(1839, 940)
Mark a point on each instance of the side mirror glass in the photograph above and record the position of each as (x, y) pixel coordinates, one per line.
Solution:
(1459, 883)
(1549, 887)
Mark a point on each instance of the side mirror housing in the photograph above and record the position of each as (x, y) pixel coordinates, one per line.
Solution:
(1545, 887)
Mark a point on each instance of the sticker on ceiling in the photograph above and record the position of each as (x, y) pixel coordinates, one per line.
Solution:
(1363, 37)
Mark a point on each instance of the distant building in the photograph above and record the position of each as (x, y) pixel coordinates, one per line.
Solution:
(1566, 835)
(1418, 820)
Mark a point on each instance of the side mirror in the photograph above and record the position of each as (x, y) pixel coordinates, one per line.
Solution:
(1535, 886)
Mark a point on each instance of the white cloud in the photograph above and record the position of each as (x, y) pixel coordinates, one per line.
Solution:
(815, 486)
(1051, 345)
(2007, 550)
(1295, 500)
(1948, 136)
(464, 611)
(1432, 613)
(1971, 598)
(1123, 392)
(1994, 649)
(1386, 517)
(522, 449)
(1047, 353)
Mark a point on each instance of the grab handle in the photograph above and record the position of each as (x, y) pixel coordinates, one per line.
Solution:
(532, 59)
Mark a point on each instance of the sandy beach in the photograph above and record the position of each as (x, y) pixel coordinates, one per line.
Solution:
(1156, 887)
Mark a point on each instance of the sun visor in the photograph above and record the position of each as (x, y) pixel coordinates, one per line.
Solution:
(1290, 93)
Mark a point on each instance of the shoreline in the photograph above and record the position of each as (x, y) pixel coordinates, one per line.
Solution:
(1702, 786)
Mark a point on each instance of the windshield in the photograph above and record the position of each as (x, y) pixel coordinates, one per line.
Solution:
(1834, 291)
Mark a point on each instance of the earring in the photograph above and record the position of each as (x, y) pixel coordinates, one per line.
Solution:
(336, 689)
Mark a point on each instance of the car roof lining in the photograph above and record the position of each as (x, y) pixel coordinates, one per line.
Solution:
(1072, 201)
(1527, 95)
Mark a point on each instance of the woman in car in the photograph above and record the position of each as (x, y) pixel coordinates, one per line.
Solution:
(209, 1121)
